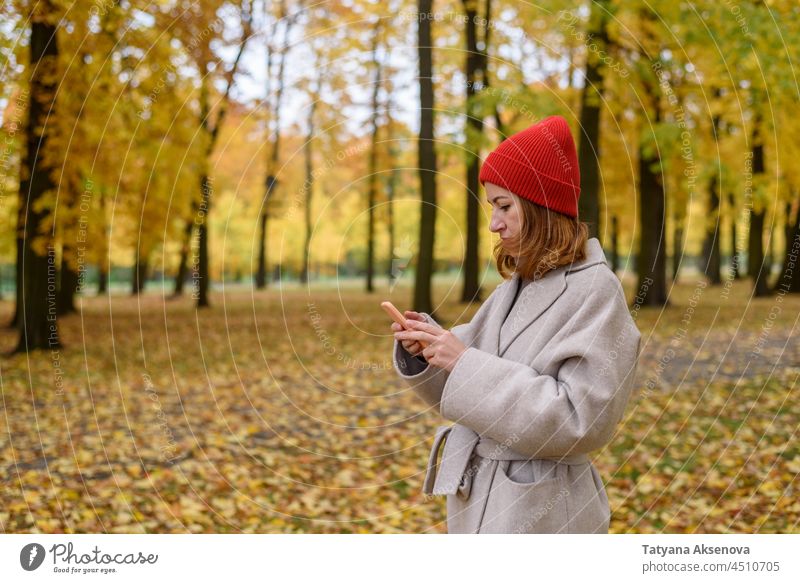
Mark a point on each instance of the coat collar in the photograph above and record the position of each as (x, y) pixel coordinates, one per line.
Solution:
(545, 291)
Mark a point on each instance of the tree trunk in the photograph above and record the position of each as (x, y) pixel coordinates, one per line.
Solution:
(372, 195)
(261, 273)
(14, 322)
(423, 301)
(103, 265)
(102, 282)
(711, 250)
(735, 258)
(309, 185)
(203, 263)
(38, 325)
(756, 267)
(186, 247)
(614, 243)
(652, 260)
(390, 190)
(790, 272)
(475, 66)
(203, 273)
(589, 136)
(212, 132)
(755, 251)
(391, 187)
(677, 248)
(711, 247)
(274, 152)
(139, 275)
(788, 230)
(68, 284)
(769, 259)
(487, 35)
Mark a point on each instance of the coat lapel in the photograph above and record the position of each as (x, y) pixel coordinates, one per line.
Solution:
(488, 327)
(538, 296)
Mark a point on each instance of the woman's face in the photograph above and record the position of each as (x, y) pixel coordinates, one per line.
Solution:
(506, 213)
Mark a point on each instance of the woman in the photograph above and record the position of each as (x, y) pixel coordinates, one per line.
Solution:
(542, 374)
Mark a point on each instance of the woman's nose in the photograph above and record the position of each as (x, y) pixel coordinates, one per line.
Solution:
(495, 225)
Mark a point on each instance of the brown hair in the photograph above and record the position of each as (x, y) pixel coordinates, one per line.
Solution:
(547, 240)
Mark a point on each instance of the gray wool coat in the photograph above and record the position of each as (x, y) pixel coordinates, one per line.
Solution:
(528, 407)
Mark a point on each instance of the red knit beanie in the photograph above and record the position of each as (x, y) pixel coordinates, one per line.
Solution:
(539, 164)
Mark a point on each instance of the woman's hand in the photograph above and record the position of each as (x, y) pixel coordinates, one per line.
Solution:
(413, 347)
(443, 349)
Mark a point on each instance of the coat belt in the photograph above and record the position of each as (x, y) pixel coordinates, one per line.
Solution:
(461, 443)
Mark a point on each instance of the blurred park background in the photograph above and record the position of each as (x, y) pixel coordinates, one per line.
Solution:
(206, 201)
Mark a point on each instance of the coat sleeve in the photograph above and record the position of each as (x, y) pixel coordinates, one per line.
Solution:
(426, 380)
(574, 412)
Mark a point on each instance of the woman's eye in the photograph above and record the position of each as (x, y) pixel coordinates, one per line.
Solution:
(502, 208)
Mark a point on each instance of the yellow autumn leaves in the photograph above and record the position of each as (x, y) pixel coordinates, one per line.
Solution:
(273, 433)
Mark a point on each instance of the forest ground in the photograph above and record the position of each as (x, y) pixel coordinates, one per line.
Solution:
(279, 411)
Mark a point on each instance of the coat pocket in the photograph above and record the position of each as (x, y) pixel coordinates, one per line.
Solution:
(516, 507)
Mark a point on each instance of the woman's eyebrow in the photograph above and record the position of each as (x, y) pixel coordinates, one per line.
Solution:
(498, 197)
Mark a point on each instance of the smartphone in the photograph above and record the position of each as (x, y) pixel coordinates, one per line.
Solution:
(395, 315)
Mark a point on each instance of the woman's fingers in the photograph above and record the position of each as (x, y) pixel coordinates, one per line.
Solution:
(420, 331)
(417, 335)
(425, 327)
(412, 346)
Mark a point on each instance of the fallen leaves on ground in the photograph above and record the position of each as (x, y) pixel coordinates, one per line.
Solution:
(279, 411)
